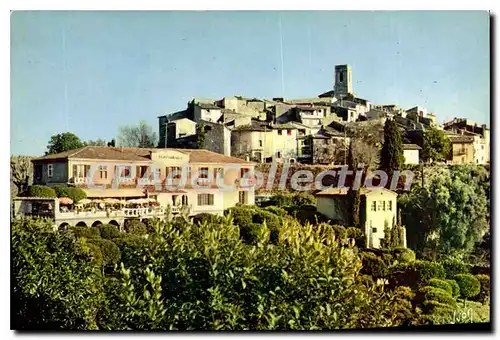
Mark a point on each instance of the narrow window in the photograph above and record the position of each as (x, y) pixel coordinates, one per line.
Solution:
(50, 170)
(243, 197)
(341, 76)
(374, 206)
(103, 171)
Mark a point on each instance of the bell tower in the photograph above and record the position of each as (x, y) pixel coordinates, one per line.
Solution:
(343, 81)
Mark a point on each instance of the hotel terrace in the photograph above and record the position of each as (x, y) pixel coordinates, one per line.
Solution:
(199, 181)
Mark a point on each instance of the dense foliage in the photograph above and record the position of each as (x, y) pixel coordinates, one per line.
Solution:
(391, 156)
(436, 145)
(40, 191)
(450, 213)
(63, 142)
(76, 194)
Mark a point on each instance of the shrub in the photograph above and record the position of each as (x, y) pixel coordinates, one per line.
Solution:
(40, 191)
(109, 250)
(86, 232)
(303, 198)
(276, 210)
(453, 267)
(427, 270)
(440, 295)
(109, 231)
(206, 217)
(455, 288)
(242, 216)
(484, 292)
(136, 227)
(442, 284)
(373, 265)
(404, 255)
(76, 194)
(92, 252)
(469, 285)
(440, 312)
(340, 232)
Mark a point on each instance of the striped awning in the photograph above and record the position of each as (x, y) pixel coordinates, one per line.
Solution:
(110, 193)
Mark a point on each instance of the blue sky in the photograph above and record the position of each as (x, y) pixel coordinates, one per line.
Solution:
(90, 72)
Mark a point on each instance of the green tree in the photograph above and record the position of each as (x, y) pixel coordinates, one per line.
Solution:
(436, 145)
(200, 135)
(140, 136)
(449, 214)
(469, 285)
(63, 142)
(96, 142)
(391, 157)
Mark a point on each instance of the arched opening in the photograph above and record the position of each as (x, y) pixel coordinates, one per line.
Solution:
(113, 222)
(341, 76)
(81, 224)
(63, 226)
(96, 224)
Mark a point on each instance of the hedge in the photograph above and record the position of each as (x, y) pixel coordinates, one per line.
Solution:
(469, 285)
(109, 231)
(373, 265)
(404, 255)
(427, 270)
(41, 191)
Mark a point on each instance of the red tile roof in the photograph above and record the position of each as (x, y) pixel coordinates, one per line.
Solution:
(95, 152)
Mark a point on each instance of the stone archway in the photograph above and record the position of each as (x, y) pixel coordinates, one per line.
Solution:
(81, 224)
(115, 223)
(96, 224)
(63, 226)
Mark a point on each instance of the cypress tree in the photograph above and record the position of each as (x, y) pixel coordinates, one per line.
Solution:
(200, 136)
(392, 157)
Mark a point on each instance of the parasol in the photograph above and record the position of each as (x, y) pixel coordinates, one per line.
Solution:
(111, 201)
(65, 200)
(84, 201)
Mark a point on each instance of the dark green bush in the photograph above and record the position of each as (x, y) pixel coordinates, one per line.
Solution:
(469, 285)
(92, 252)
(136, 227)
(109, 231)
(76, 194)
(40, 191)
(427, 270)
(206, 217)
(242, 216)
(86, 232)
(276, 210)
(441, 312)
(404, 255)
(453, 267)
(442, 284)
(373, 265)
(110, 252)
(484, 293)
(455, 288)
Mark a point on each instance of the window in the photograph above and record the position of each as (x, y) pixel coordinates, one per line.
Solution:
(482, 147)
(374, 230)
(126, 171)
(218, 172)
(243, 197)
(205, 199)
(175, 201)
(260, 143)
(341, 76)
(380, 205)
(278, 154)
(243, 171)
(50, 170)
(374, 206)
(383, 205)
(289, 132)
(103, 171)
(390, 205)
(81, 170)
(174, 172)
(280, 132)
(203, 173)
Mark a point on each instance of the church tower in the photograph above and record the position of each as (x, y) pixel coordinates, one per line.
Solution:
(343, 80)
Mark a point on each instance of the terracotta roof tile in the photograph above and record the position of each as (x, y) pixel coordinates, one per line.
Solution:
(96, 152)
